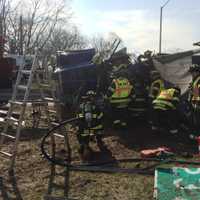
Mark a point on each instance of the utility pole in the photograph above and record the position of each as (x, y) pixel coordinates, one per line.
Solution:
(1, 37)
(21, 36)
(160, 38)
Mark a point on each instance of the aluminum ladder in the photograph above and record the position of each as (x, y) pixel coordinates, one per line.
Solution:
(22, 89)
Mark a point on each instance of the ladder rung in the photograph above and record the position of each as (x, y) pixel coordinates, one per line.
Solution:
(22, 87)
(45, 85)
(49, 99)
(12, 119)
(7, 135)
(52, 111)
(2, 120)
(6, 153)
(4, 112)
(58, 135)
(16, 102)
(27, 72)
(54, 123)
(15, 121)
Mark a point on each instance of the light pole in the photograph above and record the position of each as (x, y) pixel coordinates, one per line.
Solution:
(160, 40)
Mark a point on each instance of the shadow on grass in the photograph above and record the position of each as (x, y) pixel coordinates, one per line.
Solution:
(139, 136)
(104, 155)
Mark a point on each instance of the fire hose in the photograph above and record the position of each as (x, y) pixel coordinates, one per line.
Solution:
(104, 167)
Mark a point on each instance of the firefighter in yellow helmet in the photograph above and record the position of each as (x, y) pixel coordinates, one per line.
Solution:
(90, 124)
(194, 97)
(120, 93)
(156, 86)
(165, 110)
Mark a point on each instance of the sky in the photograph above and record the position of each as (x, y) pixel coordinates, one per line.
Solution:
(137, 22)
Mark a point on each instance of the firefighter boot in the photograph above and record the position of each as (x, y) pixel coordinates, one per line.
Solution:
(100, 143)
(123, 125)
(86, 153)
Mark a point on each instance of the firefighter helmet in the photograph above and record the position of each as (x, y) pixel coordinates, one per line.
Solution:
(194, 68)
(155, 74)
(177, 88)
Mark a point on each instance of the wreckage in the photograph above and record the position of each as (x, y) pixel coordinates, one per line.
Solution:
(77, 73)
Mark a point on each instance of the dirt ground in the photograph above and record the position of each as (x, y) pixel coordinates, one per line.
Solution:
(33, 171)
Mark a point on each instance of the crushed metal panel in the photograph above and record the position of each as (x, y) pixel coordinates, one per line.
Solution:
(174, 68)
(74, 58)
(177, 184)
(176, 72)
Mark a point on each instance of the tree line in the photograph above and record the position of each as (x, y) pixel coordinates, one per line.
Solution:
(44, 24)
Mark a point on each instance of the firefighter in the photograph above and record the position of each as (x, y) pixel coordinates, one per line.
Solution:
(119, 95)
(120, 61)
(194, 97)
(165, 110)
(156, 86)
(90, 125)
(138, 106)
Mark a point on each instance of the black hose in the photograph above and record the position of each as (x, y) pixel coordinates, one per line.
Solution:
(83, 167)
(45, 154)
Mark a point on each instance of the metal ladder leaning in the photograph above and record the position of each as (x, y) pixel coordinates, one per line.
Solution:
(20, 100)
(33, 75)
(53, 186)
(61, 134)
(24, 90)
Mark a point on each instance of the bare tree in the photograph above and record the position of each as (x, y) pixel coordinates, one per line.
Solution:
(4, 10)
(38, 21)
(66, 39)
(100, 43)
(104, 45)
(63, 40)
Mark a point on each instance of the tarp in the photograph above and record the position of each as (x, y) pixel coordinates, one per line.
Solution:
(174, 68)
(177, 184)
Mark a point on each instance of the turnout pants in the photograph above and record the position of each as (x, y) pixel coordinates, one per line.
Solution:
(119, 116)
(85, 135)
(196, 121)
(167, 119)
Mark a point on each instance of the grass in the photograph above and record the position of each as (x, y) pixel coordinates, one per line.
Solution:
(32, 170)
